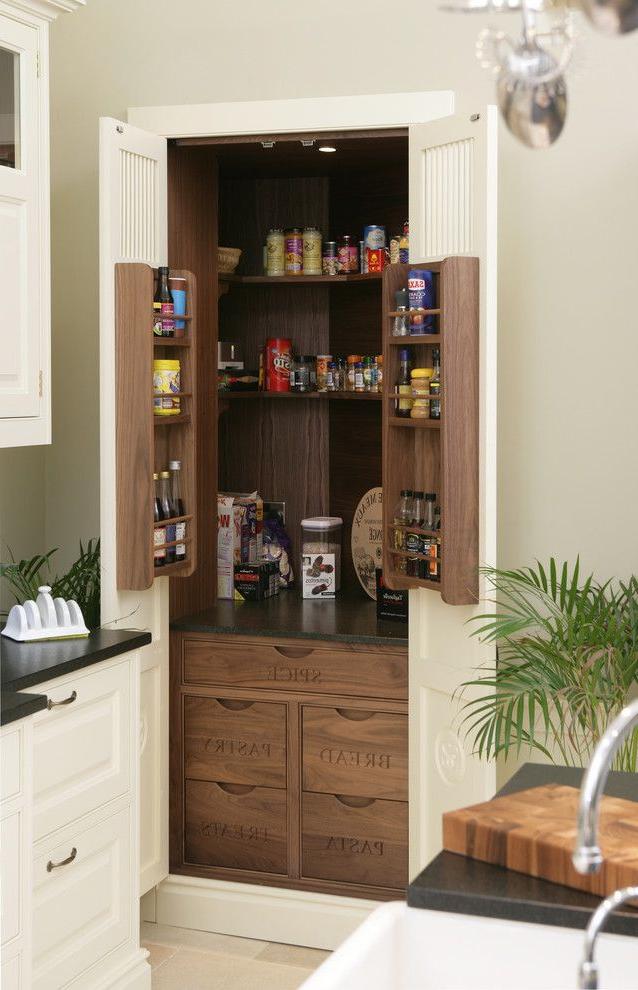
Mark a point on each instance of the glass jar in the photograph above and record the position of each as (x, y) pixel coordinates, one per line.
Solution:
(352, 361)
(312, 251)
(420, 378)
(300, 374)
(321, 556)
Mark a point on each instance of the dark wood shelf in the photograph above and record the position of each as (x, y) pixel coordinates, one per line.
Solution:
(172, 316)
(166, 570)
(300, 279)
(415, 338)
(414, 424)
(171, 341)
(171, 420)
(334, 396)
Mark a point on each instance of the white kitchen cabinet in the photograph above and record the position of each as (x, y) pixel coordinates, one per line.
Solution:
(69, 821)
(25, 249)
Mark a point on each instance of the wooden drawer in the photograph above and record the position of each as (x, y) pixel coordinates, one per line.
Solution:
(362, 841)
(325, 669)
(355, 752)
(82, 909)
(238, 742)
(81, 749)
(235, 826)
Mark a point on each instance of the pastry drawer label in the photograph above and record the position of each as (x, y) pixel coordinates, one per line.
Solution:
(352, 844)
(239, 747)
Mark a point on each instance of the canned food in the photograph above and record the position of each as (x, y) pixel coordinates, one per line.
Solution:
(294, 251)
(374, 236)
(376, 259)
(278, 353)
(312, 251)
(323, 360)
(275, 252)
(348, 255)
(421, 293)
(330, 260)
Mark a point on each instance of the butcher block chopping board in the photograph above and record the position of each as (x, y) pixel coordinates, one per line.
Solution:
(534, 832)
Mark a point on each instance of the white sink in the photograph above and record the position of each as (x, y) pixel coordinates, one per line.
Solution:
(404, 948)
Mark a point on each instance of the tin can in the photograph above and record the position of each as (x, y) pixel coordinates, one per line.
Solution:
(421, 294)
(278, 353)
(323, 360)
(376, 259)
(312, 251)
(374, 236)
(166, 388)
(330, 260)
(275, 252)
(294, 251)
(348, 255)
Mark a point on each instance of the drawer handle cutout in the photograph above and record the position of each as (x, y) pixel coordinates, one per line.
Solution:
(57, 704)
(236, 788)
(354, 802)
(233, 705)
(354, 714)
(63, 862)
(293, 652)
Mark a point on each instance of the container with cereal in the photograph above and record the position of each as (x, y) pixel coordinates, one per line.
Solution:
(166, 388)
(321, 556)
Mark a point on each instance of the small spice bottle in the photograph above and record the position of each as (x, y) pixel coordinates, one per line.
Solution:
(331, 377)
(380, 372)
(351, 361)
(359, 385)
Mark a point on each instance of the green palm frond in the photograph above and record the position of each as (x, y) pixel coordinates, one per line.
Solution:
(567, 658)
(81, 582)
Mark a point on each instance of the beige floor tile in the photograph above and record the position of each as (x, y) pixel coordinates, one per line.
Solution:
(192, 969)
(159, 954)
(293, 955)
(168, 935)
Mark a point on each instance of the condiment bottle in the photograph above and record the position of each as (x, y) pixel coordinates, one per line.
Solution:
(165, 506)
(401, 326)
(402, 518)
(435, 385)
(420, 378)
(177, 509)
(163, 306)
(403, 384)
(159, 532)
(418, 510)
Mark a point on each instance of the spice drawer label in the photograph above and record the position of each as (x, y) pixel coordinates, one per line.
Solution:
(297, 675)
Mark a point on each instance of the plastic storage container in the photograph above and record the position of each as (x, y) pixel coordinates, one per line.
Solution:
(321, 556)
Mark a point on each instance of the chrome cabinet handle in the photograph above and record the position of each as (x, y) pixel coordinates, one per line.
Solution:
(63, 862)
(67, 701)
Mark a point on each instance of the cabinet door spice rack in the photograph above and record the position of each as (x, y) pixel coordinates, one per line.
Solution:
(143, 445)
(436, 455)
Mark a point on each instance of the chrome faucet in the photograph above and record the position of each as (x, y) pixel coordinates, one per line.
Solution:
(587, 857)
(588, 972)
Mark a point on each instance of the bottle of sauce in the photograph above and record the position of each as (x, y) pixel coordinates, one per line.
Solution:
(404, 384)
(165, 509)
(159, 532)
(177, 509)
(163, 306)
(402, 518)
(435, 385)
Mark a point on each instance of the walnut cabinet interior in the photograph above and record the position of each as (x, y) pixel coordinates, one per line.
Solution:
(289, 763)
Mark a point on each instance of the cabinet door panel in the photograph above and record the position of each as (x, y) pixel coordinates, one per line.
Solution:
(82, 750)
(82, 908)
(12, 886)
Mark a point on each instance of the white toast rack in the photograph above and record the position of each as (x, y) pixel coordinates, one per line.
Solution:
(45, 618)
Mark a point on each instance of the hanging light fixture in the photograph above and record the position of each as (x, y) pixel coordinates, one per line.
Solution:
(530, 82)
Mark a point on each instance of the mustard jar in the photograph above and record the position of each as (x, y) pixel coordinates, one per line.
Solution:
(420, 379)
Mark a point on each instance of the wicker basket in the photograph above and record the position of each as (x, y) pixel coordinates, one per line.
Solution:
(227, 260)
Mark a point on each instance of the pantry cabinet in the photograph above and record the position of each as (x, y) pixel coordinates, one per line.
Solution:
(255, 794)
(25, 250)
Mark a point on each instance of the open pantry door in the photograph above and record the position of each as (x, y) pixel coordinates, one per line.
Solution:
(133, 227)
(453, 207)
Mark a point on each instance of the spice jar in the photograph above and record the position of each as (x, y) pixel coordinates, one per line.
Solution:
(359, 383)
(300, 374)
(331, 377)
(323, 360)
(166, 388)
(420, 378)
(351, 361)
(312, 251)
(330, 259)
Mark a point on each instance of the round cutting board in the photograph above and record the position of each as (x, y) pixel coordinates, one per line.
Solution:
(366, 539)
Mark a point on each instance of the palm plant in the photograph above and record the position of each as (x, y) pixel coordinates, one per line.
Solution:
(81, 582)
(567, 659)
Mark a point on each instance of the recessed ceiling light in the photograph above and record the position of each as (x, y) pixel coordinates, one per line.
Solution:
(326, 148)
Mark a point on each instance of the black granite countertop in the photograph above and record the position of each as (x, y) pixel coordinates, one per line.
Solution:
(15, 705)
(23, 665)
(468, 886)
(350, 618)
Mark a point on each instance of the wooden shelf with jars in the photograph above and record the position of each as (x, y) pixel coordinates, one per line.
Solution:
(435, 455)
(143, 446)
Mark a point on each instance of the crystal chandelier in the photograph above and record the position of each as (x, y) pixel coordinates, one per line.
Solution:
(530, 81)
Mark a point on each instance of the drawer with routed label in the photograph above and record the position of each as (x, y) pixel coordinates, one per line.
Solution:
(356, 752)
(321, 669)
(235, 826)
(235, 741)
(355, 840)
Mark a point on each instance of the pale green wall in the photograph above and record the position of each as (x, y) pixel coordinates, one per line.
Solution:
(568, 349)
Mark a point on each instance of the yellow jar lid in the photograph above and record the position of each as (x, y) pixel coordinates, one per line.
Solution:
(422, 372)
(166, 365)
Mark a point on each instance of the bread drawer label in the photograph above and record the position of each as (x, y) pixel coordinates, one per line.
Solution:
(352, 758)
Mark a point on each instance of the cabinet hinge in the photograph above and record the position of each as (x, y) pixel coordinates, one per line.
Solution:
(40, 385)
